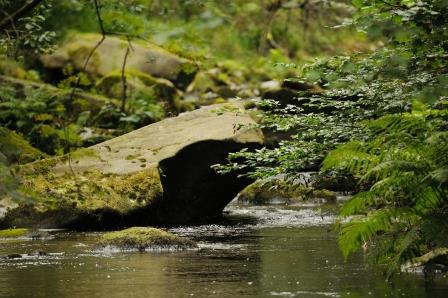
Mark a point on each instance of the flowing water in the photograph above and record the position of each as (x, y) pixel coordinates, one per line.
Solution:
(254, 252)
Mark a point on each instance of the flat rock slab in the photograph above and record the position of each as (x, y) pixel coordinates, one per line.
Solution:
(148, 146)
(159, 174)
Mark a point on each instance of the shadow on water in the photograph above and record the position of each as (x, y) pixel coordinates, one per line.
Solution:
(250, 252)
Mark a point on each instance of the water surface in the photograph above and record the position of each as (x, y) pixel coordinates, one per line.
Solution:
(254, 252)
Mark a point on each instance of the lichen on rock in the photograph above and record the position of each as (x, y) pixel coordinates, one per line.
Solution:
(144, 238)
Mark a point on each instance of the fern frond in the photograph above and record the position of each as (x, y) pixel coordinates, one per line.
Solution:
(397, 123)
(387, 168)
(361, 230)
(406, 247)
(358, 204)
(439, 176)
(400, 185)
(428, 200)
(352, 157)
(438, 142)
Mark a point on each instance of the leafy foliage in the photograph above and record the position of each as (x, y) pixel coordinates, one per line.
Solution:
(27, 35)
(389, 107)
(400, 213)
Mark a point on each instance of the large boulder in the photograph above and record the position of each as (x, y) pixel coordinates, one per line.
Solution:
(145, 57)
(158, 174)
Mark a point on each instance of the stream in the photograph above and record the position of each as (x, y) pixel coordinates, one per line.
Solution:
(275, 251)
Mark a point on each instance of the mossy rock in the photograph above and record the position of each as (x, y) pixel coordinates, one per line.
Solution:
(145, 57)
(13, 69)
(140, 86)
(88, 200)
(13, 233)
(16, 149)
(93, 190)
(325, 194)
(158, 174)
(143, 238)
(262, 192)
(212, 84)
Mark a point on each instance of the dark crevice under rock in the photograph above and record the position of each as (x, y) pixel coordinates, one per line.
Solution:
(193, 191)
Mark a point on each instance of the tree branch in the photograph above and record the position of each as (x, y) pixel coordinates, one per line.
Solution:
(25, 9)
(123, 76)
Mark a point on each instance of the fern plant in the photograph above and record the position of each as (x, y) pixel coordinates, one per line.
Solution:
(401, 212)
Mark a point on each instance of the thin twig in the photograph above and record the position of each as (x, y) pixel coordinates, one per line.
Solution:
(78, 80)
(123, 76)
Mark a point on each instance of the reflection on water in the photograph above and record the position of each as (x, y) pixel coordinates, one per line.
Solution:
(255, 252)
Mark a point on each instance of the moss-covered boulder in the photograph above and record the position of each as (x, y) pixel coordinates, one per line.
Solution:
(16, 149)
(263, 192)
(279, 190)
(13, 69)
(144, 57)
(142, 238)
(160, 173)
(141, 86)
(225, 81)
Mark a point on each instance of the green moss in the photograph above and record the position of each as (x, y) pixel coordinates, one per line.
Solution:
(85, 152)
(16, 148)
(91, 190)
(185, 106)
(79, 53)
(13, 69)
(111, 84)
(248, 105)
(219, 100)
(189, 68)
(323, 194)
(262, 192)
(141, 87)
(131, 157)
(12, 233)
(114, 77)
(142, 238)
(40, 167)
